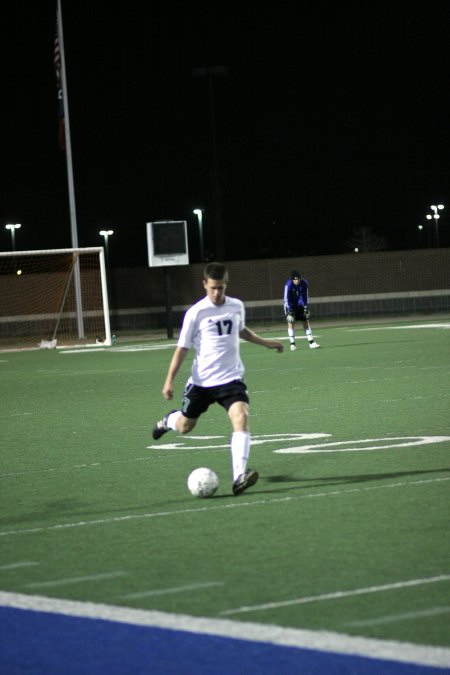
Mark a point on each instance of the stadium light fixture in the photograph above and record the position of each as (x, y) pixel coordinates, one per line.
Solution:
(199, 214)
(435, 217)
(13, 229)
(106, 235)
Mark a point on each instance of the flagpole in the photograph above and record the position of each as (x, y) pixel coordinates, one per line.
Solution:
(68, 149)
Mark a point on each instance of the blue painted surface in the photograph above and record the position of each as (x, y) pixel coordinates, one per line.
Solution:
(38, 643)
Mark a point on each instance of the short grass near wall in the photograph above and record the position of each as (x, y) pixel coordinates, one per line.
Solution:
(347, 529)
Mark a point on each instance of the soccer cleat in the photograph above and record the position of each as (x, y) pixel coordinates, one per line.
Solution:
(244, 481)
(313, 345)
(293, 348)
(161, 427)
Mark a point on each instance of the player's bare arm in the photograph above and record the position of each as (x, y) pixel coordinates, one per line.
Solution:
(174, 366)
(250, 336)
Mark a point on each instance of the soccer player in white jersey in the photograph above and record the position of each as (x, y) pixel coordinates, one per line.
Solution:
(213, 327)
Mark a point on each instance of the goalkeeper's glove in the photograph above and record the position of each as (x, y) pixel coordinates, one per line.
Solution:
(290, 317)
(306, 312)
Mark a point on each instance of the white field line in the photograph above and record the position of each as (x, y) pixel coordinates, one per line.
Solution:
(169, 591)
(412, 326)
(17, 565)
(211, 506)
(147, 347)
(336, 595)
(262, 633)
(184, 444)
(75, 580)
(404, 616)
(382, 444)
(156, 347)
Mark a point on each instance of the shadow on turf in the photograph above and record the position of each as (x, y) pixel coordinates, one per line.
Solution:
(47, 512)
(343, 480)
(367, 344)
(73, 507)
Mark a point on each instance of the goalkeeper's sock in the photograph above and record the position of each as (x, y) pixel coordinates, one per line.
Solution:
(308, 333)
(291, 333)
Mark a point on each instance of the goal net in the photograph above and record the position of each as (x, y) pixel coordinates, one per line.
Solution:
(53, 298)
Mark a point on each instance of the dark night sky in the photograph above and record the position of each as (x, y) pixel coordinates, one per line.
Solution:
(331, 116)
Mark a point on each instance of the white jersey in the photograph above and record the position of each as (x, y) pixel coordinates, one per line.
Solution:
(213, 331)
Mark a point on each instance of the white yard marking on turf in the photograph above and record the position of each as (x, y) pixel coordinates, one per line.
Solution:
(75, 580)
(204, 438)
(124, 348)
(322, 640)
(17, 565)
(336, 595)
(168, 591)
(94, 350)
(185, 442)
(21, 414)
(424, 325)
(142, 348)
(212, 507)
(397, 618)
(383, 444)
(183, 446)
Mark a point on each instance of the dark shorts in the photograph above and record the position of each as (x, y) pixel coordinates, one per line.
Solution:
(196, 400)
(299, 313)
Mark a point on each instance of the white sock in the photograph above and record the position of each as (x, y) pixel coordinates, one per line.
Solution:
(291, 334)
(172, 420)
(308, 333)
(240, 450)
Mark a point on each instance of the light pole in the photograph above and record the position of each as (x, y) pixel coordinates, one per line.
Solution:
(211, 72)
(199, 214)
(13, 229)
(436, 217)
(106, 234)
(420, 228)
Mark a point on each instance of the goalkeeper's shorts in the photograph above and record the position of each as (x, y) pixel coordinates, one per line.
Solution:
(299, 313)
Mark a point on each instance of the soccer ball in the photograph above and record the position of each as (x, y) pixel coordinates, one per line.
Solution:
(203, 482)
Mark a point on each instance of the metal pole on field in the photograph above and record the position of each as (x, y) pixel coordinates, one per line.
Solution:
(210, 73)
(199, 214)
(68, 151)
(106, 235)
(168, 295)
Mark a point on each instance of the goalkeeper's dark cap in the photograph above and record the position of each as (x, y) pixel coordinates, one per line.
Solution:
(295, 274)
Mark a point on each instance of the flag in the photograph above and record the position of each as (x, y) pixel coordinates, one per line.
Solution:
(60, 98)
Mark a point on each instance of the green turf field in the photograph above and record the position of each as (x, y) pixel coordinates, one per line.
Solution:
(347, 529)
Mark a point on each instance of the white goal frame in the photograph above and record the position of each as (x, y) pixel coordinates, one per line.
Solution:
(73, 280)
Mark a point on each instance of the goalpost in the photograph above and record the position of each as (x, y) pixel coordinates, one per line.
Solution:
(54, 297)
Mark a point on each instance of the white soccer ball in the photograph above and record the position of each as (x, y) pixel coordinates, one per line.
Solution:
(203, 482)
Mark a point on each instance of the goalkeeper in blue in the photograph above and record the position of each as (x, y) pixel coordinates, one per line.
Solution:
(296, 301)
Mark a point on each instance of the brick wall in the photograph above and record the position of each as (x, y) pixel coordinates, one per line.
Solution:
(392, 282)
(360, 273)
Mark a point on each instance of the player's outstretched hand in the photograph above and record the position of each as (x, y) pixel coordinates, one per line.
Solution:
(276, 344)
